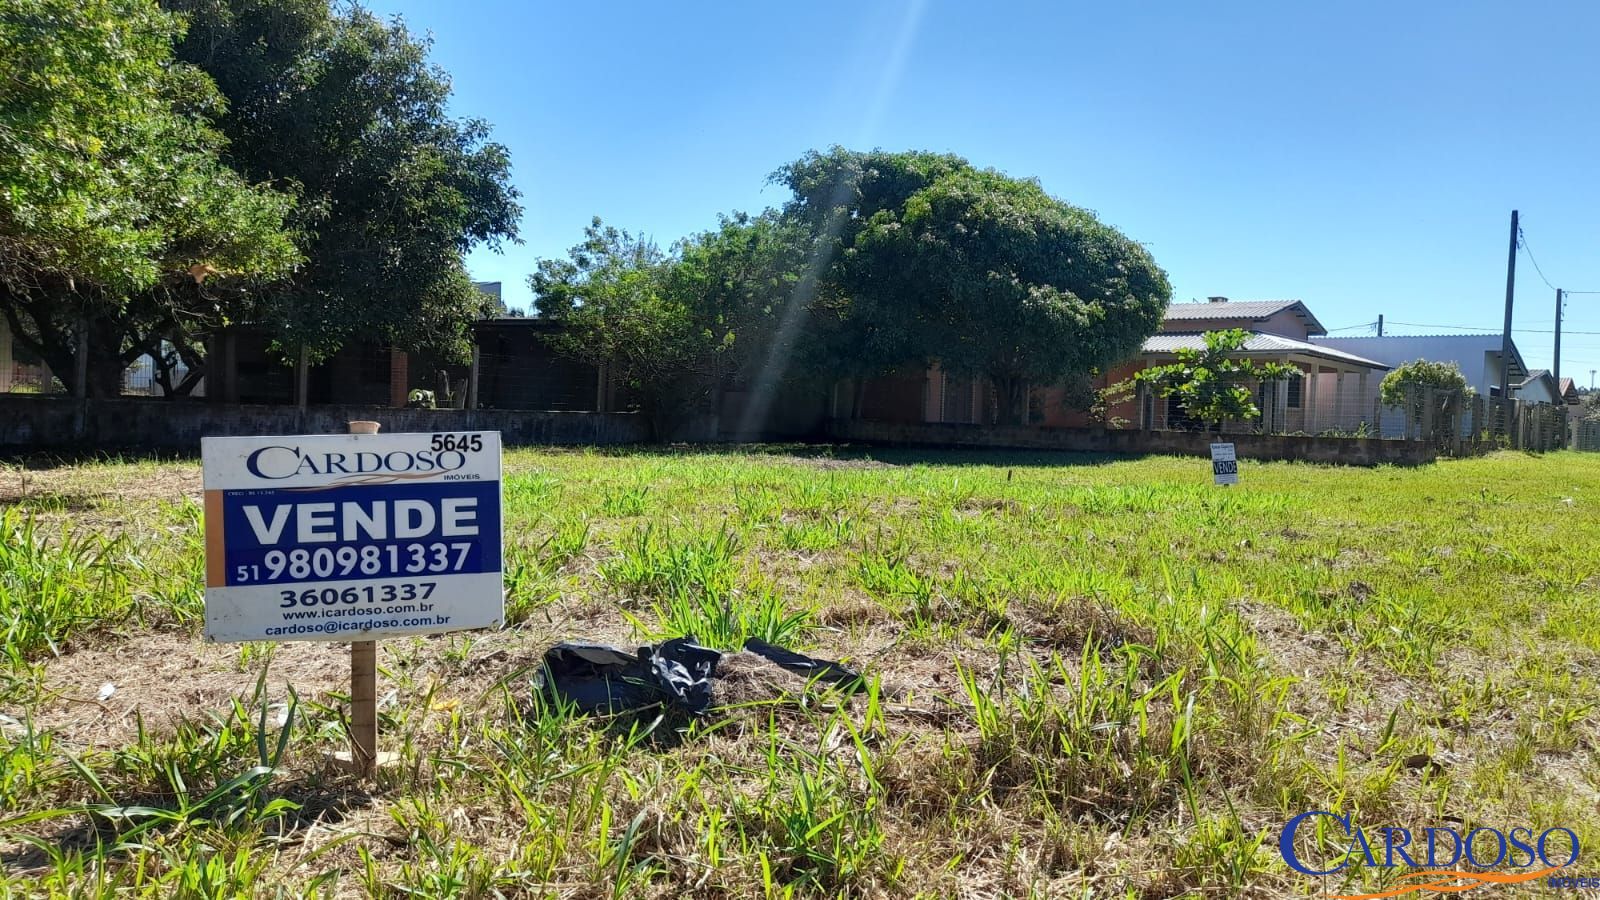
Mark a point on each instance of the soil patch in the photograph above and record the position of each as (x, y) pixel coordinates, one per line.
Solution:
(162, 678)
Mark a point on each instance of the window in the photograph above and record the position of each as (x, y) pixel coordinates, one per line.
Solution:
(1267, 393)
(374, 364)
(957, 400)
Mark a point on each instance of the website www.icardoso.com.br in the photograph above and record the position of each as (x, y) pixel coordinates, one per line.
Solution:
(355, 620)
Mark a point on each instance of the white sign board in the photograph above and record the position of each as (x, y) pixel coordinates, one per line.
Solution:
(352, 537)
(1224, 465)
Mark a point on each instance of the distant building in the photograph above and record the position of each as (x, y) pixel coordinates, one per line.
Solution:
(492, 289)
(1477, 355)
(1334, 392)
(1569, 392)
(518, 369)
(1539, 387)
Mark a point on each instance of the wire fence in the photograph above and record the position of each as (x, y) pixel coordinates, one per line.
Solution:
(1457, 422)
(1586, 435)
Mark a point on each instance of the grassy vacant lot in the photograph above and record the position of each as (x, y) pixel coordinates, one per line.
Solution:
(1088, 678)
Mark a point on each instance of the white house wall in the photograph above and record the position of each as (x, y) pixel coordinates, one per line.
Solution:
(1478, 356)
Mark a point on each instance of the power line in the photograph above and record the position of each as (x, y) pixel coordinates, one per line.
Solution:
(1496, 330)
(1522, 241)
(1373, 325)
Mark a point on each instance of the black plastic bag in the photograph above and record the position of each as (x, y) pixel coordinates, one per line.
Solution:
(599, 678)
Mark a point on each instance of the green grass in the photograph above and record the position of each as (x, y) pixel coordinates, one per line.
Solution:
(1086, 677)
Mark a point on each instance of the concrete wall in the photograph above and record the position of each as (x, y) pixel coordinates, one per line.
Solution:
(1345, 451)
(41, 422)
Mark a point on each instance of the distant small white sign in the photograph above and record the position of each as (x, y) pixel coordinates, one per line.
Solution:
(1224, 464)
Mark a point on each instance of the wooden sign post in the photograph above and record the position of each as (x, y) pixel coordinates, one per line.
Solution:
(363, 687)
(353, 537)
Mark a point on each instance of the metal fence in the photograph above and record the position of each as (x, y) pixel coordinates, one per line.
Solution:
(1457, 422)
(1586, 434)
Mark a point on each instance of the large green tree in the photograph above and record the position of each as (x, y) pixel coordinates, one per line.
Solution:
(344, 109)
(609, 294)
(673, 326)
(926, 257)
(114, 206)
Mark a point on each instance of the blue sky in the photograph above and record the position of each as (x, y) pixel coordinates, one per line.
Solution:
(1362, 157)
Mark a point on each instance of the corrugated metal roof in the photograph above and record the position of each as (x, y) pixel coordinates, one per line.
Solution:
(1257, 343)
(1393, 336)
(1230, 309)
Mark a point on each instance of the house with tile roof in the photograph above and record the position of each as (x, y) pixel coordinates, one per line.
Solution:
(1568, 391)
(1336, 390)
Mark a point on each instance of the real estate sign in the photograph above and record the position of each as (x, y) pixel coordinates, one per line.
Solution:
(1224, 464)
(352, 537)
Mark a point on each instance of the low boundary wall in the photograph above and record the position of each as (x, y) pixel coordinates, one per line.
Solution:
(1344, 451)
(38, 422)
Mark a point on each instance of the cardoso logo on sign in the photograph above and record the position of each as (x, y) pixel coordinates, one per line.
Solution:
(279, 461)
(1517, 855)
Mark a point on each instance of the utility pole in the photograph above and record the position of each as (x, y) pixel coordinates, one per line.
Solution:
(1380, 325)
(1505, 335)
(1555, 364)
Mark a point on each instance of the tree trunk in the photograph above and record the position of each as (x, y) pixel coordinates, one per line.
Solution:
(1011, 396)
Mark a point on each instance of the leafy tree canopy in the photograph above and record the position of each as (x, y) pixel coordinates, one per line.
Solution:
(672, 325)
(934, 259)
(1212, 384)
(1409, 380)
(1407, 386)
(113, 201)
(344, 109)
